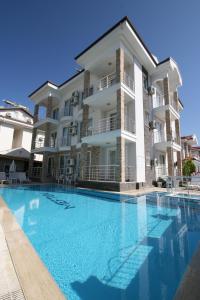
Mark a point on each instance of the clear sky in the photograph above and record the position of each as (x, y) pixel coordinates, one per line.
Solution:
(39, 40)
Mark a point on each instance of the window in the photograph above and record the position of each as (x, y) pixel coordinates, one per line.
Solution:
(55, 113)
(53, 139)
(68, 110)
(145, 81)
(148, 159)
(66, 137)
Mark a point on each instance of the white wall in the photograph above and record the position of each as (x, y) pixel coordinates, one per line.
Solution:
(6, 137)
(26, 139)
(139, 118)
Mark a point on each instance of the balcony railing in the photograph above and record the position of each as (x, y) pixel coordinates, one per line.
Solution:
(103, 125)
(107, 81)
(41, 143)
(159, 137)
(99, 172)
(128, 81)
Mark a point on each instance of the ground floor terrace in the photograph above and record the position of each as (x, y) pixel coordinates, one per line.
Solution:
(112, 165)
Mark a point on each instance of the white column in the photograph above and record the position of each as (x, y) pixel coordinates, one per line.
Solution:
(139, 120)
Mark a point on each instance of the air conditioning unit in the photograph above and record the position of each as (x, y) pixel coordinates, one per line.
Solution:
(152, 125)
(70, 162)
(75, 98)
(73, 124)
(69, 170)
(151, 90)
(73, 130)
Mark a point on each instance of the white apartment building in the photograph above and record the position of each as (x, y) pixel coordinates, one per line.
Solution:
(16, 125)
(114, 125)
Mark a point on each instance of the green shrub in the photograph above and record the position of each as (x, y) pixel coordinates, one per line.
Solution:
(188, 167)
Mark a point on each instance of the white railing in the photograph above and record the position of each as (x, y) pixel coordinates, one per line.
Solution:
(41, 143)
(103, 125)
(107, 81)
(128, 81)
(99, 172)
(159, 136)
(36, 172)
(129, 125)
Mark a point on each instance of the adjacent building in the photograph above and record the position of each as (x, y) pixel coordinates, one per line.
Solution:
(16, 125)
(115, 124)
(191, 150)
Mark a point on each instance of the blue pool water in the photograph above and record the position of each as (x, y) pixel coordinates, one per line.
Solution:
(98, 247)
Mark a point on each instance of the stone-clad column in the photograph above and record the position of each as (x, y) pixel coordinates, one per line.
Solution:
(83, 160)
(49, 107)
(120, 110)
(170, 159)
(85, 120)
(30, 166)
(166, 90)
(168, 125)
(120, 172)
(119, 65)
(95, 155)
(177, 128)
(44, 167)
(179, 163)
(176, 102)
(86, 83)
(47, 135)
(36, 112)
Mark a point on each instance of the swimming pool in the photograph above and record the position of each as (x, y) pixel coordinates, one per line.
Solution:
(97, 247)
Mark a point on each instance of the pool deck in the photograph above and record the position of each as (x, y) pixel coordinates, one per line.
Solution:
(24, 276)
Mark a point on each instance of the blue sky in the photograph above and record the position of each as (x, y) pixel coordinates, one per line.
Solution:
(39, 40)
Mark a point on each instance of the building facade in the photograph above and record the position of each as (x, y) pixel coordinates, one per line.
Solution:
(16, 125)
(191, 150)
(115, 124)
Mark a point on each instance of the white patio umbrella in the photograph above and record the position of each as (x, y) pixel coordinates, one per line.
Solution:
(12, 167)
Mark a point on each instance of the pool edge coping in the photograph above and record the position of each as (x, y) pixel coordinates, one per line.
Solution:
(34, 278)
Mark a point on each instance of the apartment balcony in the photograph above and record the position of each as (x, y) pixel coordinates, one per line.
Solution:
(103, 131)
(40, 147)
(105, 88)
(161, 143)
(160, 108)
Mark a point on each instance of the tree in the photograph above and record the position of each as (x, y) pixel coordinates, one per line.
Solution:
(188, 167)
